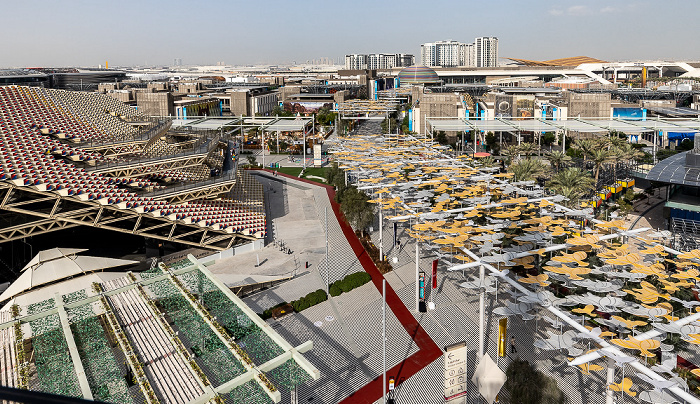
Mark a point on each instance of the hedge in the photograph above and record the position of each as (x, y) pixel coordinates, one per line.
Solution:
(303, 303)
(268, 313)
(349, 283)
(309, 300)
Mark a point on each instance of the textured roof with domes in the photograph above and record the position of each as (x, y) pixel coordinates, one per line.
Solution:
(418, 75)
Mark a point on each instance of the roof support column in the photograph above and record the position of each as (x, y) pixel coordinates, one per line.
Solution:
(73, 349)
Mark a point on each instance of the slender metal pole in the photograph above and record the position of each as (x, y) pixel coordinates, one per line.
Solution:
(381, 229)
(384, 341)
(304, 147)
(417, 286)
(313, 130)
(325, 213)
(482, 314)
(563, 142)
(609, 395)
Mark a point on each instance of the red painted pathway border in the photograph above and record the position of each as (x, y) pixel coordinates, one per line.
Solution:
(428, 350)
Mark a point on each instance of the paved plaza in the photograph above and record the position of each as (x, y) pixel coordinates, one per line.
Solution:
(346, 330)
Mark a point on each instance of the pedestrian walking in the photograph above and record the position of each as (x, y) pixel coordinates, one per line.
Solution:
(512, 345)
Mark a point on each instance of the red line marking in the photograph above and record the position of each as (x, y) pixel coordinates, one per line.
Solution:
(428, 350)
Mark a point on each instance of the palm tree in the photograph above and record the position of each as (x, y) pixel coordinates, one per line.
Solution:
(616, 141)
(487, 161)
(527, 148)
(599, 157)
(630, 153)
(573, 179)
(615, 157)
(528, 169)
(511, 152)
(557, 159)
(586, 146)
(573, 196)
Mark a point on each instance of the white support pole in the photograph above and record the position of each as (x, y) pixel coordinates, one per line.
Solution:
(417, 285)
(304, 151)
(263, 148)
(278, 142)
(563, 142)
(381, 230)
(609, 397)
(73, 349)
(325, 214)
(384, 341)
(482, 314)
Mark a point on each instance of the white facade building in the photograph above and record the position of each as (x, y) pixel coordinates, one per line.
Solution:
(442, 53)
(378, 61)
(486, 50)
(482, 53)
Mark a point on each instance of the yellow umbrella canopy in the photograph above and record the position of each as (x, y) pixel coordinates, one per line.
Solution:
(541, 279)
(645, 346)
(624, 386)
(647, 293)
(693, 254)
(588, 310)
(572, 272)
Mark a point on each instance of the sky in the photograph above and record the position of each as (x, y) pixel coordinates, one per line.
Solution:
(154, 32)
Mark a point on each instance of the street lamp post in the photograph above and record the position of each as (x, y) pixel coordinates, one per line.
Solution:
(384, 341)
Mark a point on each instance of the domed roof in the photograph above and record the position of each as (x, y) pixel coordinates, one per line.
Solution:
(418, 75)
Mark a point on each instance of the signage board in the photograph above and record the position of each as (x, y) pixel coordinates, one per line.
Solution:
(455, 392)
(317, 156)
(435, 265)
(455, 381)
(502, 327)
(421, 285)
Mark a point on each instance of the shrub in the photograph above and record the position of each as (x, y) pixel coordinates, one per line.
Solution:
(335, 289)
(268, 313)
(349, 283)
(309, 300)
(531, 386)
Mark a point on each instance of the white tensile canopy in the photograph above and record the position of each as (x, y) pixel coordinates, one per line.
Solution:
(55, 264)
(52, 254)
(488, 378)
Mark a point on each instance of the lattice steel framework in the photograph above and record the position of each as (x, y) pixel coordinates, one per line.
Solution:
(72, 345)
(48, 211)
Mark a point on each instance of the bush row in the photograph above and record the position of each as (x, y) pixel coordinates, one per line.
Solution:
(305, 302)
(349, 283)
(268, 313)
(309, 300)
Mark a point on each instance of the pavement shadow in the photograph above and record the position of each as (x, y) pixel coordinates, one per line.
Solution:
(315, 391)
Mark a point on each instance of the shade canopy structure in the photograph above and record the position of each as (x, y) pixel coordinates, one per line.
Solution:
(488, 378)
(56, 264)
(52, 254)
(468, 217)
(674, 170)
(288, 124)
(584, 125)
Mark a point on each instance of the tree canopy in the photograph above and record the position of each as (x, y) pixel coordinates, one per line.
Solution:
(527, 385)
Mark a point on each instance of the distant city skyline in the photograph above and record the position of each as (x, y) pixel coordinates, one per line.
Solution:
(131, 33)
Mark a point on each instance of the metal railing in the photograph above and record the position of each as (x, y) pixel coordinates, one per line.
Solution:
(145, 134)
(200, 146)
(225, 177)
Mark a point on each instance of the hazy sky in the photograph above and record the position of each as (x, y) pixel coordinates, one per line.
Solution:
(128, 32)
